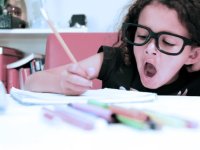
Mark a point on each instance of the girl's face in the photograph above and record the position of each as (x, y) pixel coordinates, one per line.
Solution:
(155, 68)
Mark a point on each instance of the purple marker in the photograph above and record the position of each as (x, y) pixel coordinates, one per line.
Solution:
(95, 110)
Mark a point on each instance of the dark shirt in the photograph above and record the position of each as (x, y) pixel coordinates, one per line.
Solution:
(114, 73)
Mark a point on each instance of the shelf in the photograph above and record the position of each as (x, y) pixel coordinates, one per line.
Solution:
(39, 31)
(30, 40)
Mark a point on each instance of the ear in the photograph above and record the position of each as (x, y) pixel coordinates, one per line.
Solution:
(194, 56)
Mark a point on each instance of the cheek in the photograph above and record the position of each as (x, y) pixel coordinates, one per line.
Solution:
(171, 65)
(175, 61)
(138, 53)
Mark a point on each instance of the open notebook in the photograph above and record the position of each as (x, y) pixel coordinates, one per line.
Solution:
(110, 96)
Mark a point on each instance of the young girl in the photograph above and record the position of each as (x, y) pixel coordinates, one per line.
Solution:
(158, 40)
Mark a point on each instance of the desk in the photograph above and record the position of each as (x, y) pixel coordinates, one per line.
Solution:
(24, 127)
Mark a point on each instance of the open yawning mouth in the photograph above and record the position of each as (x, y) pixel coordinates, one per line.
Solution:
(149, 70)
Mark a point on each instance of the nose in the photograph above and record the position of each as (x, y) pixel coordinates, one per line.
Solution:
(151, 48)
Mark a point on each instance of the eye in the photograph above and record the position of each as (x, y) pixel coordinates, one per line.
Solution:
(168, 43)
(142, 37)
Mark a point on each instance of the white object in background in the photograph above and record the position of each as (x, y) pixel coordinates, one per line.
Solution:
(35, 19)
(25, 60)
(3, 101)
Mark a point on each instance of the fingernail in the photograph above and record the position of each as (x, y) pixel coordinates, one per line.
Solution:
(122, 88)
(132, 89)
(91, 84)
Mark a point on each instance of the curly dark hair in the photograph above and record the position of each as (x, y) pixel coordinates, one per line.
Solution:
(188, 13)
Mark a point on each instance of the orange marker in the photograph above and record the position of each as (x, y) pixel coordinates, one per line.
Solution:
(134, 114)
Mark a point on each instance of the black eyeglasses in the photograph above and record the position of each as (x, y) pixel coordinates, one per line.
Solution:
(167, 43)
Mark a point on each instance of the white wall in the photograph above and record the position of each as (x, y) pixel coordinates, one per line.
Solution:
(102, 15)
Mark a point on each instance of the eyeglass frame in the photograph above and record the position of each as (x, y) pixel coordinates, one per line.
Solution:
(156, 36)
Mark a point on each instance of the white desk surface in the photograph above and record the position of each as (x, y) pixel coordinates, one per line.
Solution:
(25, 128)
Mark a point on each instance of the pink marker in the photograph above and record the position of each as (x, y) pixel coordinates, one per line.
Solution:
(74, 117)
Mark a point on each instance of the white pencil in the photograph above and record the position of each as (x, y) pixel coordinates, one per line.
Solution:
(58, 36)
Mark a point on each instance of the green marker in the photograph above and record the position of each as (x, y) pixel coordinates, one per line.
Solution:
(98, 103)
(132, 123)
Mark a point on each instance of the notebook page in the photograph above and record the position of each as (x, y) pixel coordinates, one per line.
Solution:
(104, 95)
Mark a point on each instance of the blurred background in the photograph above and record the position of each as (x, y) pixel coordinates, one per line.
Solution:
(101, 15)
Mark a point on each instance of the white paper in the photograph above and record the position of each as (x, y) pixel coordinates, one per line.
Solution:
(103, 95)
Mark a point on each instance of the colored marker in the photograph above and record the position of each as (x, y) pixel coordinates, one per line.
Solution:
(49, 113)
(131, 113)
(171, 120)
(75, 117)
(125, 120)
(135, 114)
(95, 110)
(98, 103)
(132, 123)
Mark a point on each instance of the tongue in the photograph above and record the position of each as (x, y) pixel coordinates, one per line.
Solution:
(150, 70)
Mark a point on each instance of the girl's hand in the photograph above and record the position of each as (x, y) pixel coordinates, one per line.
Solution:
(75, 80)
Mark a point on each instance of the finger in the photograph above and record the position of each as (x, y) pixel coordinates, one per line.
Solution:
(76, 80)
(77, 69)
(122, 88)
(80, 81)
(90, 72)
(72, 89)
(132, 89)
(74, 92)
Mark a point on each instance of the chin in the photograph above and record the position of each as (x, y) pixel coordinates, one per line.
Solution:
(150, 86)
(150, 83)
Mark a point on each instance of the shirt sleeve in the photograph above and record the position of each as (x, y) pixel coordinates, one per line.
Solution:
(110, 61)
